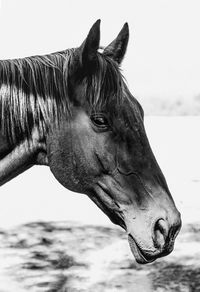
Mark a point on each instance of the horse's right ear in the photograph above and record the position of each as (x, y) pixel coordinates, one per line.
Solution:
(88, 49)
(117, 49)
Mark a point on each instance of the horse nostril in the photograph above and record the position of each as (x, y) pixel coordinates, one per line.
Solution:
(160, 233)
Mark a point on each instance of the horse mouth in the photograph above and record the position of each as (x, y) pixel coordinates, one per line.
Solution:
(139, 255)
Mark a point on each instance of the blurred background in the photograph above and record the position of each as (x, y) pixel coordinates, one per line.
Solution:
(162, 69)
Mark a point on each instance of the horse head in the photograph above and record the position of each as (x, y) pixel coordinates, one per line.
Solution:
(100, 148)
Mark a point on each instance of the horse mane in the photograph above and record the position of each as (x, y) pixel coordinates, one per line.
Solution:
(34, 90)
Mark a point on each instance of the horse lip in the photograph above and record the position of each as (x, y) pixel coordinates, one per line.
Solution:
(140, 257)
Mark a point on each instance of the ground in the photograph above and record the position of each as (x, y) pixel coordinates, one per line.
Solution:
(68, 257)
(43, 249)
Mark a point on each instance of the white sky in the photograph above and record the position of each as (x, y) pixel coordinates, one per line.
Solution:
(163, 58)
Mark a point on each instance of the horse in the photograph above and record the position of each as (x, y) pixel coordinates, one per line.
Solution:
(73, 112)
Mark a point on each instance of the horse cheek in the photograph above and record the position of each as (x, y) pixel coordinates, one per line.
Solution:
(61, 161)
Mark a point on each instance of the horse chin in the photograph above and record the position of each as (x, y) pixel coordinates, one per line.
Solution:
(137, 252)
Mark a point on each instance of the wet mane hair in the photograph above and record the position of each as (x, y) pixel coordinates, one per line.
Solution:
(34, 90)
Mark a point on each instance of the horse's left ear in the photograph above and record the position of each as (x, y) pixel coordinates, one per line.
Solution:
(117, 49)
(88, 49)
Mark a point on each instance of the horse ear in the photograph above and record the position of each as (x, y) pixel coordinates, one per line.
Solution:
(117, 49)
(91, 44)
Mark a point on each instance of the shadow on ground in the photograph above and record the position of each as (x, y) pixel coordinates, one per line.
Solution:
(67, 257)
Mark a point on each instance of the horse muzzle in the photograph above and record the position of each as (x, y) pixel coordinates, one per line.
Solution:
(162, 239)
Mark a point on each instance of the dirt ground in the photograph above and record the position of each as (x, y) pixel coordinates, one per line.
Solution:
(67, 257)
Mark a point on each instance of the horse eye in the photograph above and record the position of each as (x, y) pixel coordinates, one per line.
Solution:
(100, 121)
